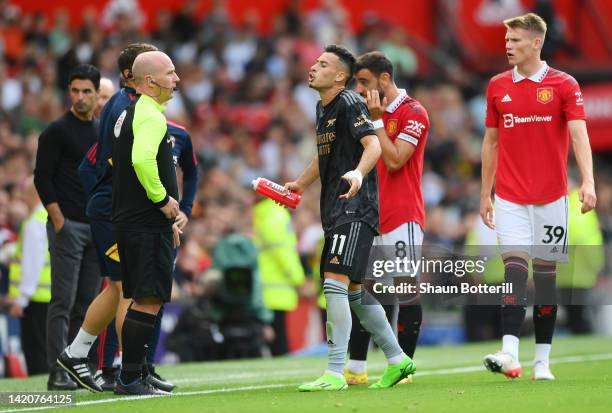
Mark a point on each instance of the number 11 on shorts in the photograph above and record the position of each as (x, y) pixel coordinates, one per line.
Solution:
(335, 241)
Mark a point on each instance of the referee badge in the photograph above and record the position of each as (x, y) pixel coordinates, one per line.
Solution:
(545, 94)
(391, 126)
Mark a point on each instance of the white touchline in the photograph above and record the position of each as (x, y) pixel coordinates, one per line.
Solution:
(457, 370)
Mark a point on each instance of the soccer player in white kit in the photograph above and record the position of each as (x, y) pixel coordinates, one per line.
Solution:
(530, 110)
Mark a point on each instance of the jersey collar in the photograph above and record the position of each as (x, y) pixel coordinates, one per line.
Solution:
(392, 107)
(153, 102)
(536, 77)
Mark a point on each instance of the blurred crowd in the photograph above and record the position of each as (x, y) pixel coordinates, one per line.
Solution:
(244, 99)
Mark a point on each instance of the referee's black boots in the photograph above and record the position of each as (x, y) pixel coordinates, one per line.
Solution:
(139, 387)
(149, 374)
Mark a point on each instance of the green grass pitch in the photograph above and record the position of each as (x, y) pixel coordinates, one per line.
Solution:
(448, 379)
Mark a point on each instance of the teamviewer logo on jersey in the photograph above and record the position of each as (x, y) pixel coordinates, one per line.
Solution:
(508, 120)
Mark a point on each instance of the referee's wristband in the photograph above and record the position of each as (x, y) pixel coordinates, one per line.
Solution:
(163, 202)
(377, 124)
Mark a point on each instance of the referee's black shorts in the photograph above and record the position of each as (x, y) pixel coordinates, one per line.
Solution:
(347, 250)
(146, 263)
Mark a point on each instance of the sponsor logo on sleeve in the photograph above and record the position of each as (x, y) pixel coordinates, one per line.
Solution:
(362, 120)
(414, 127)
(579, 99)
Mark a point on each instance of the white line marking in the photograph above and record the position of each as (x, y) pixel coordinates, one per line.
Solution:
(456, 370)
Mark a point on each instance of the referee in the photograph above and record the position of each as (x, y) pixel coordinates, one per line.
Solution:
(144, 209)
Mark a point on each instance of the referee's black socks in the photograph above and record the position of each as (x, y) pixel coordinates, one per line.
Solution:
(514, 306)
(136, 333)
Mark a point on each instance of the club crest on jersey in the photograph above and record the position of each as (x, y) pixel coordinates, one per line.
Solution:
(119, 123)
(545, 94)
(391, 126)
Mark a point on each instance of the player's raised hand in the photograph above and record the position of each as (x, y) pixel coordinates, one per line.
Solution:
(486, 211)
(375, 106)
(294, 186)
(587, 197)
(354, 178)
(171, 209)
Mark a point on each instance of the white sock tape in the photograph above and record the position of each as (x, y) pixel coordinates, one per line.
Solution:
(355, 173)
(377, 124)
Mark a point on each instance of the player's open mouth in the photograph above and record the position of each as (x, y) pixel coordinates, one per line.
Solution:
(310, 77)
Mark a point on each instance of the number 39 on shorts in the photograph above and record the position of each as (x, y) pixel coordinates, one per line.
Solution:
(553, 234)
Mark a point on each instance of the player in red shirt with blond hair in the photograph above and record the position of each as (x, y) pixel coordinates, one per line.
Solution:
(530, 110)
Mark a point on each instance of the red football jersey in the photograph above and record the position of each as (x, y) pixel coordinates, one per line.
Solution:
(400, 195)
(531, 115)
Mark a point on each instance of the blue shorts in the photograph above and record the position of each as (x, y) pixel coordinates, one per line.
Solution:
(106, 246)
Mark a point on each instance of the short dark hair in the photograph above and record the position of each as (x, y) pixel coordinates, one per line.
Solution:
(375, 62)
(126, 58)
(85, 72)
(345, 57)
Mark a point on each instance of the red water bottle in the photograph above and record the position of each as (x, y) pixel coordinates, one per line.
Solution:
(276, 192)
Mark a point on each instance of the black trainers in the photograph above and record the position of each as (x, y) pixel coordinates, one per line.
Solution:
(138, 387)
(107, 378)
(149, 374)
(78, 369)
(60, 380)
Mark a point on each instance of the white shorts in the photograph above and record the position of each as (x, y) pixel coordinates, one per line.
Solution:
(539, 230)
(405, 240)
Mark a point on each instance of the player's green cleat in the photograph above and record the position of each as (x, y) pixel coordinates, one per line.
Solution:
(395, 373)
(327, 382)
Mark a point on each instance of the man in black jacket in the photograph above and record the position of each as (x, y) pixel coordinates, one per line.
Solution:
(75, 278)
